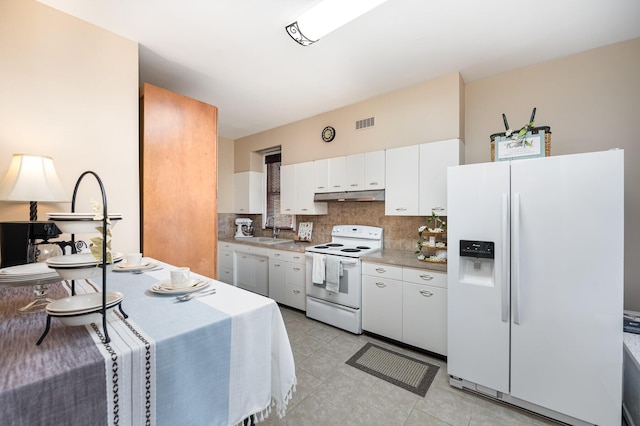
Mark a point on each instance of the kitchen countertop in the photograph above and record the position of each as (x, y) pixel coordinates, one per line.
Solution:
(632, 343)
(403, 258)
(387, 256)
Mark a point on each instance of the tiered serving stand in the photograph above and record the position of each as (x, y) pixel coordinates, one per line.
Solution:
(102, 309)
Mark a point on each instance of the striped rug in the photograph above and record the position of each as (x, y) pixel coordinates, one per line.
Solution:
(401, 370)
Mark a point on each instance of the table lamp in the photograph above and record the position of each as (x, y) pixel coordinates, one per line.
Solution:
(32, 178)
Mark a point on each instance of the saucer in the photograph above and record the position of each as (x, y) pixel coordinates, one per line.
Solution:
(145, 264)
(164, 287)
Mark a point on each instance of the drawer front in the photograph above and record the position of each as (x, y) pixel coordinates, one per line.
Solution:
(296, 297)
(293, 256)
(381, 270)
(226, 246)
(425, 276)
(225, 275)
(295, 274)
(278, 254)
(225, 259)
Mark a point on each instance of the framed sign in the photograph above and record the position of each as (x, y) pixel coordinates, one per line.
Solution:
(529, 146)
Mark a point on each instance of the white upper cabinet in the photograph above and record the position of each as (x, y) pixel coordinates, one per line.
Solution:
(297, 190)
(435, 157)
(374, 172)
(401, 197)
(321, 175)
(338, 174)
(355, 172)
(248, 190)
(288, 189)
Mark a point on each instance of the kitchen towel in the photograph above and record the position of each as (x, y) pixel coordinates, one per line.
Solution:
(317, 269)
(333, 272)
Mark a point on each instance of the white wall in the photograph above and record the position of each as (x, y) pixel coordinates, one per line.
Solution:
(69, 90)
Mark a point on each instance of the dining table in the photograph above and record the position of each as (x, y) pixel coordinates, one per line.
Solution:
(223, 358)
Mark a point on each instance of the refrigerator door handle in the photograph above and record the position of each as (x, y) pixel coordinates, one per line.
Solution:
(515, 270)
(505, 258)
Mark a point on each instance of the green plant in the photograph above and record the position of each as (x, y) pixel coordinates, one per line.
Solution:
(520, 136)
(97, 242)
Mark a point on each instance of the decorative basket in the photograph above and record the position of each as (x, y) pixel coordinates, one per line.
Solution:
(499, 137)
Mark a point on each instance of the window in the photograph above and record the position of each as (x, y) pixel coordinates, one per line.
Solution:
(272, 163)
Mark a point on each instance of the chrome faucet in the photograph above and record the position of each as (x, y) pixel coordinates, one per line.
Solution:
(276, 231)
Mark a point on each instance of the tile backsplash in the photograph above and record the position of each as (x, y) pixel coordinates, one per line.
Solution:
(400, 232)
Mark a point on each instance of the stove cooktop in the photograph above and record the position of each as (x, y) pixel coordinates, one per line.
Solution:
(351, 241)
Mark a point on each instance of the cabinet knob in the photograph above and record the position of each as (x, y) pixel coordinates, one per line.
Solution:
(426, 293)
(381, 285)
(296, 269)
(354, 184)
(296, 291)
(304, 210)
(426, 277)
(320, 187)
(400, 209)
(437, 209)
(277, 265)
(337, 186)
(374, 184)
(381, 270)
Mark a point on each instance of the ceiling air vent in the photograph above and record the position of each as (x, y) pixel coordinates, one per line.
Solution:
(365, 123)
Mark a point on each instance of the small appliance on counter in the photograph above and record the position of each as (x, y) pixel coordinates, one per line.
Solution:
(632, 322)
(244, 228)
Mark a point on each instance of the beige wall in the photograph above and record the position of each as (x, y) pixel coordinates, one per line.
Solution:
(426, 112)
(591, 101)
(225, 175)
(70, 91)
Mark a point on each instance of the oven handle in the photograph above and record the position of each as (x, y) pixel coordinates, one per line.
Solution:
(343, 260)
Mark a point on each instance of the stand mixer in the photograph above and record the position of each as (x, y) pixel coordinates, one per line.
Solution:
(244, 228)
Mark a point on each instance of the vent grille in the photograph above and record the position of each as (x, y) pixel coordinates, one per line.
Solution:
(365, 123)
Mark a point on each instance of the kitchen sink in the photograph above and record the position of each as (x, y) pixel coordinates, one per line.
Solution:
(269, 240)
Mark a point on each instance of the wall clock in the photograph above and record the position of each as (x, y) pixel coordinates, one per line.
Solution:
(328, 133)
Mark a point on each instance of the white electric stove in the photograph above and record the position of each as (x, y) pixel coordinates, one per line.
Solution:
(341, 308)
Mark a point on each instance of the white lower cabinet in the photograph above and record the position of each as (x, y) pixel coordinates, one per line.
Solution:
(225, 262)
(287, 278)
(252, 269)
(406, 304)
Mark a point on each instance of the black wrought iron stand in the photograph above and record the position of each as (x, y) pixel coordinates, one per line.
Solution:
(103, 308)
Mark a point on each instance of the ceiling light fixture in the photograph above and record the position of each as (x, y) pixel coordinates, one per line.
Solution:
(327, 16)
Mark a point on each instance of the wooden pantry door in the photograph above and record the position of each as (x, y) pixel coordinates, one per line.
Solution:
(178, 178)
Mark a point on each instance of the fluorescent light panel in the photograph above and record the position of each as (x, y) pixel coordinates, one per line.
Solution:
(327, 16)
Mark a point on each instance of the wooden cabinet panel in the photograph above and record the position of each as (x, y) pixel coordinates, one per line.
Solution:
(178, 169)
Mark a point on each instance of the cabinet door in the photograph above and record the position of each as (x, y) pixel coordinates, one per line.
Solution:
(337, 174)
(401, 197)
(288, 189)
(304, 183)
(435, 157)
(261, 275)
(374, 170)
(295, 274)
(278, 280)
(424, 317)
(355, 172)
(382, 306)
(248, 190)
(296, 297)
(244, 271)
(321, 175)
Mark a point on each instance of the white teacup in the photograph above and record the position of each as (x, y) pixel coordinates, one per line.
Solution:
(180, 277)
(134, 259)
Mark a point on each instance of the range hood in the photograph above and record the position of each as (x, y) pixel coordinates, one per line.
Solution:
(373, 195)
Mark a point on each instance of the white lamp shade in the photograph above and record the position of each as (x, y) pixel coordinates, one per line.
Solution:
(329, 15)
(32, 178)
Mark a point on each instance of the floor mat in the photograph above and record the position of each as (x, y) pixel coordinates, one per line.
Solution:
(401, 370)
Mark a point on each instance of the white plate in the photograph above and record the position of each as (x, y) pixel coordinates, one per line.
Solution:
(82, 303)
(82, 226)
(78, 260)
(27, 269)
(145, 264)
(164, 287)
(77, 215)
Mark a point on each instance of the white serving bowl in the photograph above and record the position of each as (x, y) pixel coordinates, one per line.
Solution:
(78, 304)
(78, 272)
(82, 226)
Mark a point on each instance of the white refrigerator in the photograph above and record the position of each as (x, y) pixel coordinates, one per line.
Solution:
(535, 282)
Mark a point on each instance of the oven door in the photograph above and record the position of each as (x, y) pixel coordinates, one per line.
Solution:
(350, 289)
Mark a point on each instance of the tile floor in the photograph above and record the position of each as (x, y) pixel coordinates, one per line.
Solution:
(330, 392)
